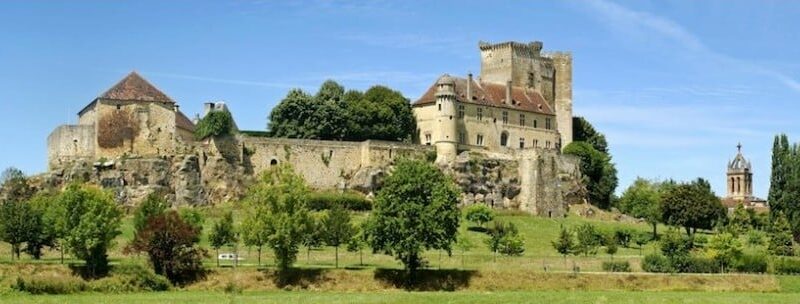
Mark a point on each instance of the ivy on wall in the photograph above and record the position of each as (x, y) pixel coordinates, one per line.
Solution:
(115, 127)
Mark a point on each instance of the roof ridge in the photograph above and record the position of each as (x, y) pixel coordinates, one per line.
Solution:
(135, 87)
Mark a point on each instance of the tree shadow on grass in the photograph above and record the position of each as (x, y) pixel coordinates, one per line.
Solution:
(426, 279)
(296, 277)
(478, 229)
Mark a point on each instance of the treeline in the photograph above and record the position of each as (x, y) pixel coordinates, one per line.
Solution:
(601, 175)
(336, 114)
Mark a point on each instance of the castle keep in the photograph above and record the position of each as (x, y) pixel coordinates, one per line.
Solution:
(499, 136)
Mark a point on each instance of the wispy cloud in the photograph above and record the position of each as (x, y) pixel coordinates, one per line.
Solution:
(644, 24)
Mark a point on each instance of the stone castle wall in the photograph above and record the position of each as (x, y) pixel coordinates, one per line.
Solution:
(69, 143)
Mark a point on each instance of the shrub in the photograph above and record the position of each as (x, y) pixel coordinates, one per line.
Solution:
(347, 200)
(215, 123)
(49, 285)
(699, 264)
(624, 236)
(479, 214)
(656, 263)
(751, 263)
(617, 266)
(786, 266)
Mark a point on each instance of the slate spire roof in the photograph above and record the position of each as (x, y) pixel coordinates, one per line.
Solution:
(135, 87)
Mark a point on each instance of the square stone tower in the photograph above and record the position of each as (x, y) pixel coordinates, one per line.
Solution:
(524, 65)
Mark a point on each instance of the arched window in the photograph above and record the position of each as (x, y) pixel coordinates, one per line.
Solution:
(504, 139)
(273, 162)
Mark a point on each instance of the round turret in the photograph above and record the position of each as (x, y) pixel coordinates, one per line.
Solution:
(445, 141)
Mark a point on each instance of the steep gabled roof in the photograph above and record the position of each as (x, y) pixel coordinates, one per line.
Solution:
(135, 87)
(492, 94)
(183, 122)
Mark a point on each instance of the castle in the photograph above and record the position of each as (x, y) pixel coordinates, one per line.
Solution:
(499, 136)
(522, 99)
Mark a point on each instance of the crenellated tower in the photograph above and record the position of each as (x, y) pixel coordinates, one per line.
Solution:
(562, 62)
(446, 138)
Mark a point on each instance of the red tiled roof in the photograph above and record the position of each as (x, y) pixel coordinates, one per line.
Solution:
(183, 122)
(492, 94)
(134, 87)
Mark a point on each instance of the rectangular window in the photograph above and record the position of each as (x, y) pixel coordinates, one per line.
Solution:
(522, 143)
(547, 123)
(479, 141)
(535, 143)
(547, 144)
(440, 107)
(428, 139)
(480, 113)
(522, 120)
(460, 111)
(535, 123)
(505, 117)
(462, 138)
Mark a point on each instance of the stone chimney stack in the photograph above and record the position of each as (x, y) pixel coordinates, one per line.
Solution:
(469, 87)
(508, 92)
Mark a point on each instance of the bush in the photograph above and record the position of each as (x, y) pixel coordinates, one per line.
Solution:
(348, 200)
(699, 264)
(751, 263)
(624, 236)
(140, 277)
(215, 123)
(656, 263)
(50, 285)
(786, 266)
(479, 214)
(617, 266)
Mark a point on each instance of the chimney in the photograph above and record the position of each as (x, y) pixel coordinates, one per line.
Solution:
(508, 92)
(176, 107)
(469, 87)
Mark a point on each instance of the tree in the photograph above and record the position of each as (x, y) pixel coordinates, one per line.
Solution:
(16, 220)
(779, 174)
(92, 221)
(479, 214)
(381, 113)
(294, 116)
(358, 242)
(692, 206)
(504, 238)
(416, 210)
(611, 245)
(642, 200)
(14, 185)
(780, 237)
(254, 232)
(565, 244)
(222, 234)
(43, 228)
(600, 174)
(170, 244)
(740, 221)
(583, 131)
(724, 248)
(193, 217)
(641, 239)
(215, 123)
(152, 205)
(337, 229)
(589, 239)
(314, 236)
(279, 200)
(463, 244)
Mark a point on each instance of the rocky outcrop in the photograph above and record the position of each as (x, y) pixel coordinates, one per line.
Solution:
(489, 181)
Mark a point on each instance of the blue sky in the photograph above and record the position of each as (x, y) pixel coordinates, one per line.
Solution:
(673, 84)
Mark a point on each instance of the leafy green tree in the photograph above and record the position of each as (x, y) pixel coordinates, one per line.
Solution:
(740, 221)
(337, 229)
(504, 238)
(314, 236)
(724, 248)
(642, 200)
(780, 237)
(359, 242)
(611, 244)
(692, 206)
(674, 245)
(779, 174)
(589, 239)
(92, 221)
(152, 205)
(599, 171)
(416, 210)
(565, 244)
(463, 244)
(14, 185)
(381, 113)
(215, 123)
(193, 217)
(43, 230)
(479, 214)
(279, 199)
(295, 116)
(222, 234)
(16, 220)
(641, 239)
(583, 131)
(254, 230)
(332, 115)
(170, 244)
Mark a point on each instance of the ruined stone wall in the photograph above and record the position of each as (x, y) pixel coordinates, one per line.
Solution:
(68, 143)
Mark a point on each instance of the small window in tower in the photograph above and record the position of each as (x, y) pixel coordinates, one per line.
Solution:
(535, 123)
(119, 107)
(522, 143)
(535, 143)
(505, 117)
(480, 113)
(504, 139)
(522, 119)
(460, 111)
(547, 144)
(547, 123)
(440, 107)
(462, 138)
(428, 139)
(479, 140)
